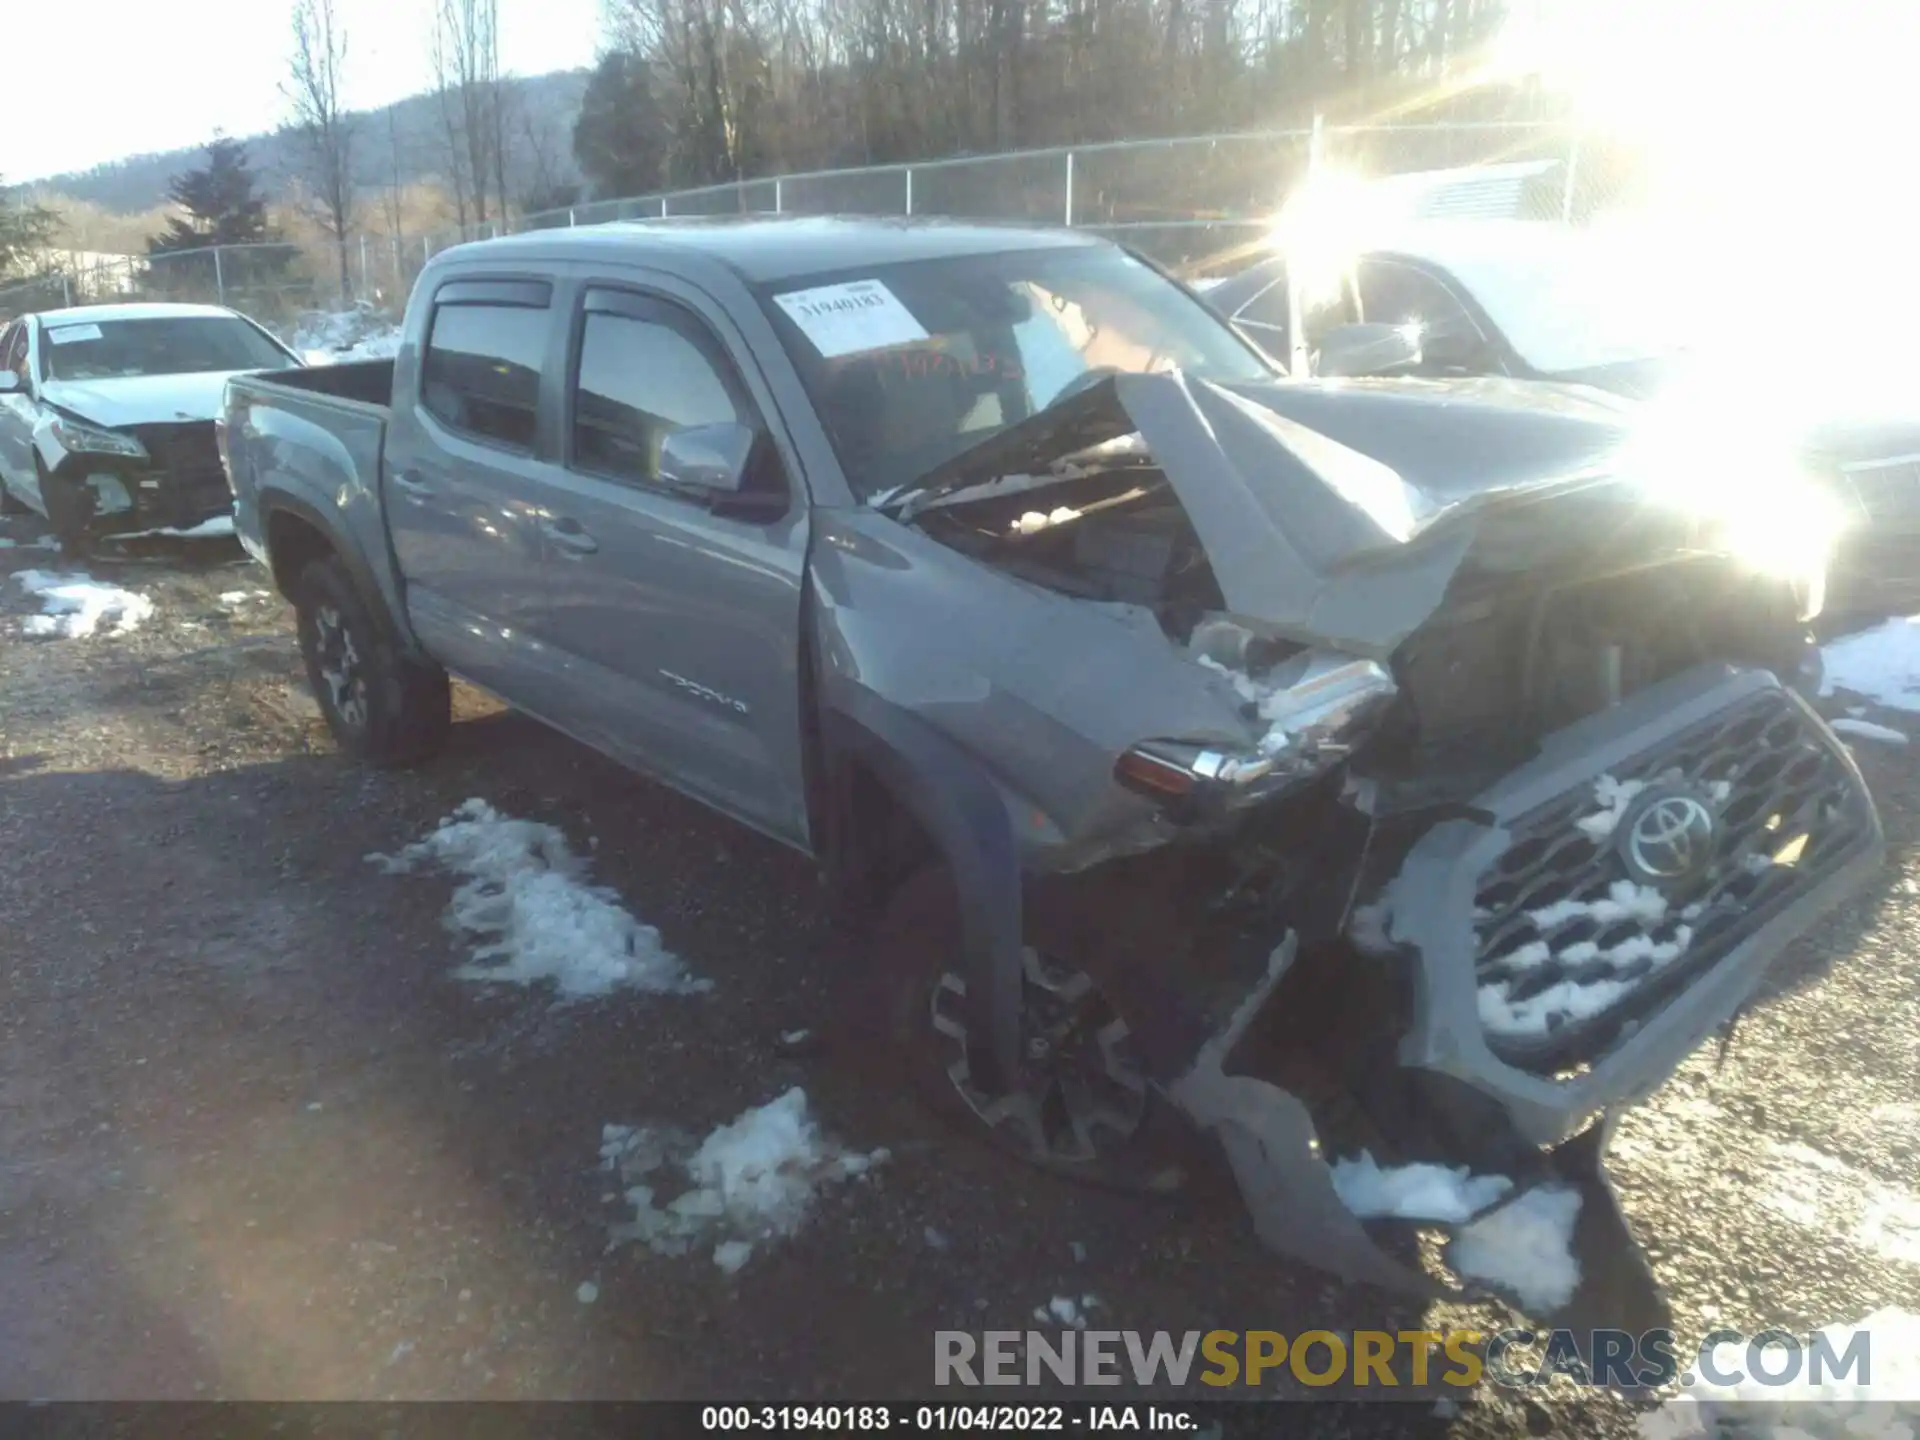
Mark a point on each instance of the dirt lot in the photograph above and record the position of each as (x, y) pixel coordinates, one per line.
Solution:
(257, 1139)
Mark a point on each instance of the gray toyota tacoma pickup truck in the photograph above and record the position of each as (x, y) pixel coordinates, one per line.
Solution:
(1318, 766)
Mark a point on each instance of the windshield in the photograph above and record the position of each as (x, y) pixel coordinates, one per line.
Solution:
(173, 345)
(911, 364)
(1580, 306)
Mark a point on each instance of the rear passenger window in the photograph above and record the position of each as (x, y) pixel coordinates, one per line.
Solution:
(481, 374)
(639, 381)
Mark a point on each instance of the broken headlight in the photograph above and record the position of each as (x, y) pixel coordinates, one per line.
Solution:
(82, 439)
(1316, 706)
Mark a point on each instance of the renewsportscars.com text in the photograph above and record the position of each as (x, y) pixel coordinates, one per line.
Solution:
(1516, 1359)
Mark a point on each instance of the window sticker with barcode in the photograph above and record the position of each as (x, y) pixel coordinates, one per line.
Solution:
(850, 318)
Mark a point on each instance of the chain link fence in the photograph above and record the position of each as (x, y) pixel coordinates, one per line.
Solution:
(1200, 202)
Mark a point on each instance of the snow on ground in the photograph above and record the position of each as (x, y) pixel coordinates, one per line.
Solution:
(1882, 664)
(1525, 1248)
(1414, 1192)
(1065, 1310)
(76, 605)
(525, 896)
(1825, 1196)
(341, 336)
(1867, 730)
(235, 598)
(1885, 1407)
(205, 530)
(750, 1182)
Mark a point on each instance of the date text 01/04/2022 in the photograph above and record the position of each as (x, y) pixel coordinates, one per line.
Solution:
(1012, 1419)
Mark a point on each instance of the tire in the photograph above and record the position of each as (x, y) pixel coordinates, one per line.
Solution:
(383, 708)
(916, 956)
(11, 504)
(69, 514)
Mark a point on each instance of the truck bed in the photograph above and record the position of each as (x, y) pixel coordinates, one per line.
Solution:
(366, 382)
(316, 435)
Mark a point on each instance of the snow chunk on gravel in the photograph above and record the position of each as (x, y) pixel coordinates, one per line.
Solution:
(1065, 1310)
(1886, 1407)
(525, 895)
(1882, 664)
(1414, 1192)
(1867, 730)
(1525, 1248)
(75, 605)
(748, 1182)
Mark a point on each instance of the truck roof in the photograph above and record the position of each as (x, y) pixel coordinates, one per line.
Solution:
(765, 248)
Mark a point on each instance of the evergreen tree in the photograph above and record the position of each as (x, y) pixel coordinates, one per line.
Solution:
(619, 139)
(221, 204)
(222, 209)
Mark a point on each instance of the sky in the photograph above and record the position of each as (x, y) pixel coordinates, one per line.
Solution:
(137, 78)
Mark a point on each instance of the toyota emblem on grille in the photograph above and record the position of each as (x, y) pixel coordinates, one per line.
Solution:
(1668, 837)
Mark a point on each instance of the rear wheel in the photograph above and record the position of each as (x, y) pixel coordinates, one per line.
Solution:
(1081, 1105)
(11, 504)
(382, 707)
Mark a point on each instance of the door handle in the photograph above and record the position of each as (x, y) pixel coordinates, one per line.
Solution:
(569, 535)
(410, 481)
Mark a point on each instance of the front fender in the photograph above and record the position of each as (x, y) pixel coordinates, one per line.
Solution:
(961, 809)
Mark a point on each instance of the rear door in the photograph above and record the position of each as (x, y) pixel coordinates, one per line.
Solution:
(463, 453)
(680, 625)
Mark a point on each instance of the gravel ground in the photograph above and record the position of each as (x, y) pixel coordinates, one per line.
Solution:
(258, 1141)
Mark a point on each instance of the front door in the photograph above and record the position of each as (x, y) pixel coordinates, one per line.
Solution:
(17, 416)
(459, 466)
(680, 624)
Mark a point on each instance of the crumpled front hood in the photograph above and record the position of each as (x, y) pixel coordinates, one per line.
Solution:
(1334, 512)
(141, 399)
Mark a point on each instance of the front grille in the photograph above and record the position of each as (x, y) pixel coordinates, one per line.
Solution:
(1571, 950)
(1887, 489)
(189, 455)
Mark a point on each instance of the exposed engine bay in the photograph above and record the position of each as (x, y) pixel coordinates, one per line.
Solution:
(1516, 651)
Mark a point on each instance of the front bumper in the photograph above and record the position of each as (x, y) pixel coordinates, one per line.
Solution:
(1469, 887)
(180, 485)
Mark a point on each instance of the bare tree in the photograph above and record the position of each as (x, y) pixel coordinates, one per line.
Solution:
(321, 132)
(394, 196)
(466, 68)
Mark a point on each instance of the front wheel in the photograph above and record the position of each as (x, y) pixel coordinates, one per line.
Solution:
(1081, 1105)
(382, 707)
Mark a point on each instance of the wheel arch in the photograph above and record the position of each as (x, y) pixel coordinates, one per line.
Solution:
(298, 533)
(887, 775)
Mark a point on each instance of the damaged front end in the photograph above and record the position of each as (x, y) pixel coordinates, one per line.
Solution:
(101, 481)
(1454, 796)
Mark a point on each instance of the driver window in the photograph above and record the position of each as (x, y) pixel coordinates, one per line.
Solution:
(1393, 294)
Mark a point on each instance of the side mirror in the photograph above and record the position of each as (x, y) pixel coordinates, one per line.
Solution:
(10, 383)
(710, 458)
(1367, 350)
